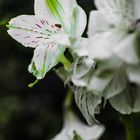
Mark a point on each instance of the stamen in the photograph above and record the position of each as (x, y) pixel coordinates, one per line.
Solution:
(58, 26)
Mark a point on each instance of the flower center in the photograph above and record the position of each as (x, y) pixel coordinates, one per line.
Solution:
(134, 26)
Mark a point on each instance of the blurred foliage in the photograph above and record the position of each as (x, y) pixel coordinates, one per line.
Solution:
(36, 113)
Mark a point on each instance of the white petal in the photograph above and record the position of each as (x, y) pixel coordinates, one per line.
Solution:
(125, 50)
(41, 9)
(32, 31)
(98, 84)
(54, 9)
(101, 45)
(62, 136)
(116, 11)
(80, 47)
(81, 70)
(122, 102)
(137, 9)
(87, 103)
(128, 101)
(116, 85)
(62, 38)
(84, 131)
(61, 11)
(109, 65)
(83, 66)
(79, 20)
(97, 23)
(47, 57)
(73, 124)
(133, 73)
(83, 82)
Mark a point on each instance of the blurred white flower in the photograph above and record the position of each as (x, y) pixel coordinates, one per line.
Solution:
(114, 30)
(111, 59)
(74, 129)
(48, 32)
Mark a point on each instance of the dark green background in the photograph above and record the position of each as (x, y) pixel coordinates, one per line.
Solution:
(36, 113)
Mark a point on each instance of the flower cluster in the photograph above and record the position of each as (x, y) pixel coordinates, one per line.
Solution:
(110, 67)
(104, 66)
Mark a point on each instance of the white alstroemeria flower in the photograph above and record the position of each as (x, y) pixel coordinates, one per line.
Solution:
(91, 85)
(104, 61)
(116, 23)
(48, 32)
(89, 79)
(74, 129)
(114, 35)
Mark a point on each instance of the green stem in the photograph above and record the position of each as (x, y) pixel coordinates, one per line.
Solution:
(68, 100)
(129, 126)
(65, 62)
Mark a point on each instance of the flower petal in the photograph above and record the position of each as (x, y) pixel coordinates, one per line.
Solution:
(127, 101)
(61, 136)
(80, 82)
(32, 31)
(46, 57)
(116, 11)
(87, 103)
(83, 66)
(122, 102)
(101, 45)
(136, 8)
(65, 12)
(97, 23)
(98, 84)
(79, 48)
(54, 8)
(133, 73)
(78, 15)
(41, 9)
(75, 129)
(116, 85)
(125, 50)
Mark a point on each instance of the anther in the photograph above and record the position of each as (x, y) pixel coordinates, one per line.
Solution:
(58, 25)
